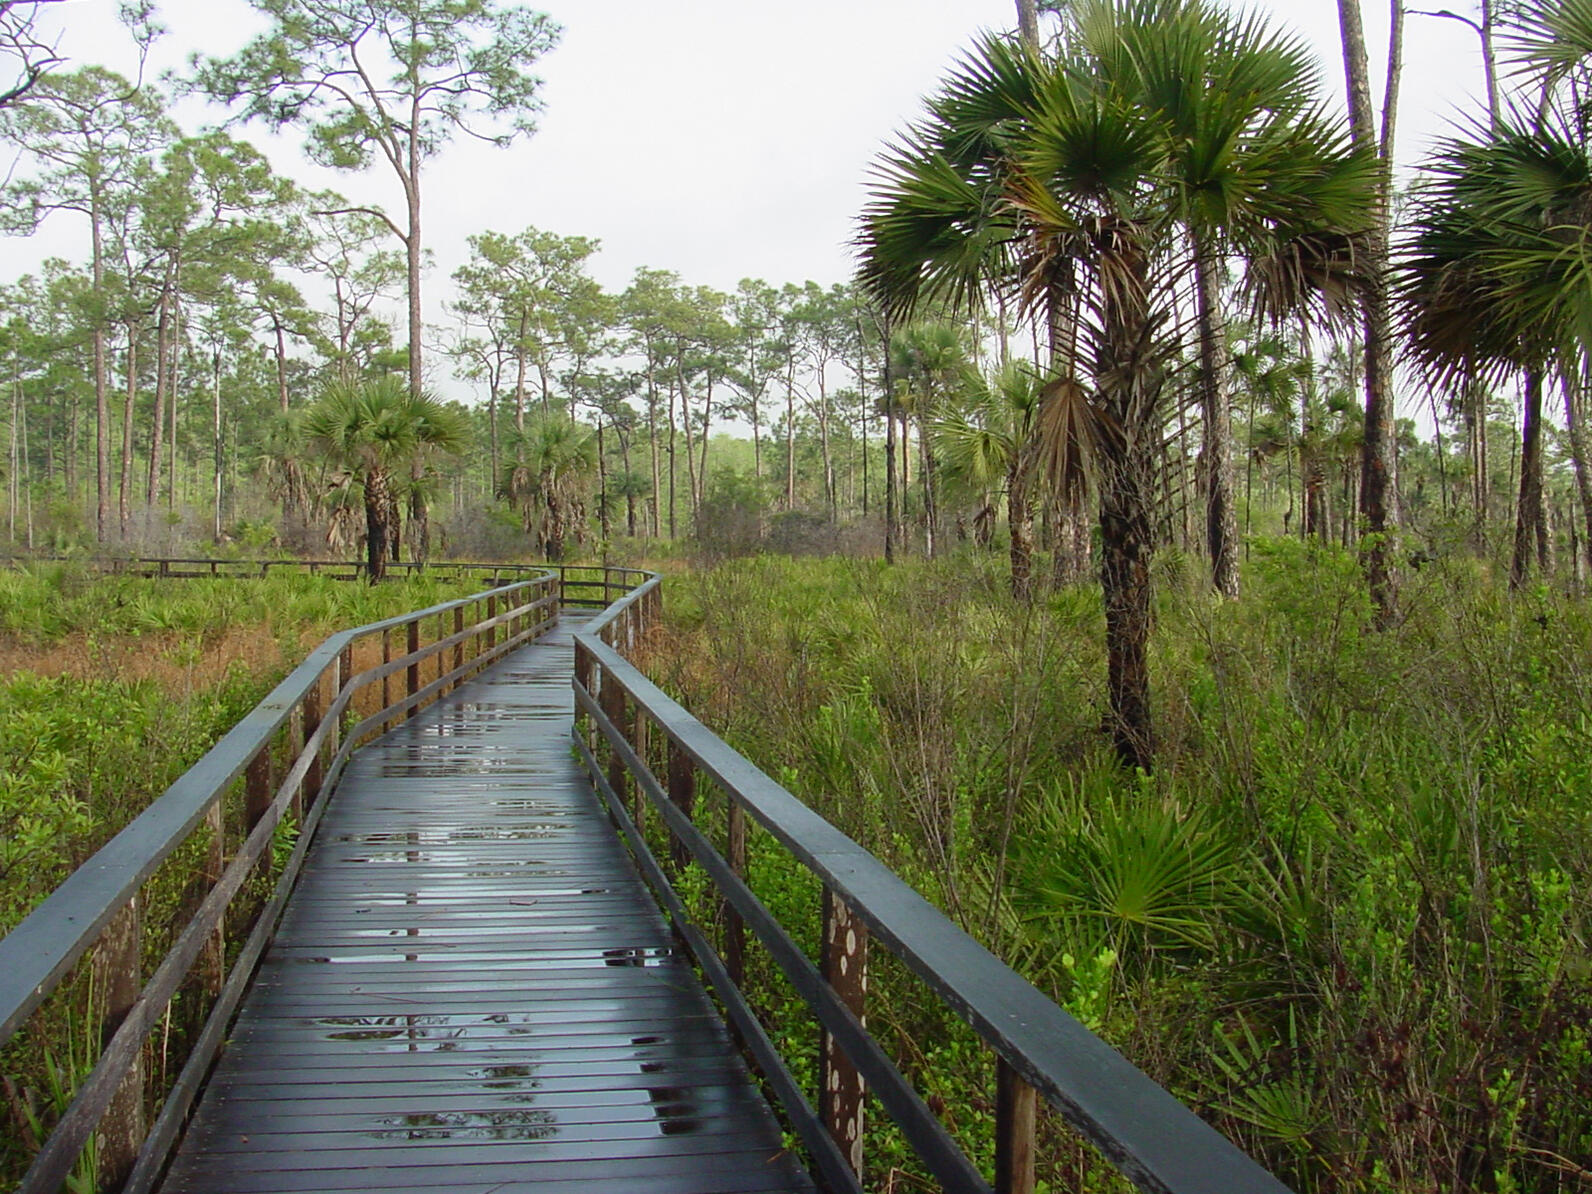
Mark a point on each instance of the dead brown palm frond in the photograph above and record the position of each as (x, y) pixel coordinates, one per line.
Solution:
(1067, 442)
(1319, 272)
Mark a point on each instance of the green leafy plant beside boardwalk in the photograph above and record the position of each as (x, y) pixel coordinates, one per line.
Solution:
(1346, 919)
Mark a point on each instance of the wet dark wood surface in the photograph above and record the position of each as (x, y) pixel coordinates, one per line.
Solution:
(471, 989)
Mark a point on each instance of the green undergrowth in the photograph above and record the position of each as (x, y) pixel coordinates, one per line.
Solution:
(1346, 919)
(114, 687)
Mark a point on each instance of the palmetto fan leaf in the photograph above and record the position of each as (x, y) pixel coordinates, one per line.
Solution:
(1498, 265)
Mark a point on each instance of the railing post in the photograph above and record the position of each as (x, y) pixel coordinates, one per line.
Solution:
(638, 742)
(491, 612)
(386, 680)
(682, 794)
(213, 968)
(734, 926)
(342, 672)
(583, 677)
(845, 969)
(1016, 1105)
(458, 647)
(414, 664)
(312, 721)
(118, 976)
(613, 704)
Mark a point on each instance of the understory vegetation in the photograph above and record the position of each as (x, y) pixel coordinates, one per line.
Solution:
(112, 687)
(1346, 918)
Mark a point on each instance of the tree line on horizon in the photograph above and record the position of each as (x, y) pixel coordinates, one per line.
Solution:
(162, 382)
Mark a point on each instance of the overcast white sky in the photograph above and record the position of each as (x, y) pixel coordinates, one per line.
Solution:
(718, 138)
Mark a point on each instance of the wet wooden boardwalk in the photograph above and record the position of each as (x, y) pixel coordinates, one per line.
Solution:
(471, 989)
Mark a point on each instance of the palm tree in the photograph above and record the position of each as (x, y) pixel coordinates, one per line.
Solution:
(373, 430)
(555, 459)
(995, 443)
(1497, 280)
(1055, 177)
(1252, 159)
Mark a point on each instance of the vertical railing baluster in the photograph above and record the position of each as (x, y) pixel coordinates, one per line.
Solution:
(1016, 1108)
(735, 855)
(458, 647)
(583, 678)
(413, 641)
(386, 680)
(118, 977)
(491, 613)
(213, 965)
(613, 704)
(340, 677)
(312, 721)
(682, 794)
(638, 798)
(845, 969)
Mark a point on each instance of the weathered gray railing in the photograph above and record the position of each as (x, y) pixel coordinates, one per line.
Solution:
(186, 567)
(623, 721)
(288, 750)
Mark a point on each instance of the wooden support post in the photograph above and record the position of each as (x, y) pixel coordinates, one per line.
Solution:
(312, 721)
(734, 926)
(613, 704)
(414, 664)
(386, 680)
(295, 747)
(583, 678)
(682, 794)
(638, 798)
(341, 674)
(491, 612)
(1016, 1107)
(257, 788)
(458, 647)
(845, 969)
(213, 966)
(118, 977)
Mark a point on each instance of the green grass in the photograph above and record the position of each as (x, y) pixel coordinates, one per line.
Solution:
(1347, 917)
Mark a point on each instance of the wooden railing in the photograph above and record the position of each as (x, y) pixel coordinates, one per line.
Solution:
(190, 567)
(647, 756)
(286, 752)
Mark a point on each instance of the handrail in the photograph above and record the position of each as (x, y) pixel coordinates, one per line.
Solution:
(98, 906)
(1153, 1139)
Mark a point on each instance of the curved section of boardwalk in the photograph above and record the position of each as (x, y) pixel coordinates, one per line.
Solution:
(471, 989)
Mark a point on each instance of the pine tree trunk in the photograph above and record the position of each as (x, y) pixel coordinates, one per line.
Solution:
(1221, 515)
(1020, 518)
(129, 405)
(1531, 515)
(1574, 411)
(1377, 466)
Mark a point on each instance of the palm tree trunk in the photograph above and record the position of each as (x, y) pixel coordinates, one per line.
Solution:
(378, 508)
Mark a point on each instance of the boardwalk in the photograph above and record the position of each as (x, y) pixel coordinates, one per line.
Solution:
(472, 991)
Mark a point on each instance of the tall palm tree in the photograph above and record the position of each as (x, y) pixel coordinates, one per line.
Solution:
(1053, 177)
(1497, 278)
(1252, 158)
(374, 430)
(556, 459)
